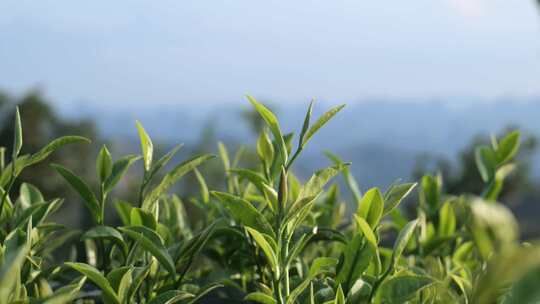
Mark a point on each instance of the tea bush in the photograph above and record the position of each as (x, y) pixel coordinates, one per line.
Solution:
(266, 237)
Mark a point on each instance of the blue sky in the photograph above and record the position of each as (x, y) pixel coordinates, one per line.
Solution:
(141, 52)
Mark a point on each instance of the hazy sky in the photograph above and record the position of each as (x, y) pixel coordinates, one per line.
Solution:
(194, 51)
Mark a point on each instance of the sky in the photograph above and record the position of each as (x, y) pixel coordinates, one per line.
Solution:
(158, 52)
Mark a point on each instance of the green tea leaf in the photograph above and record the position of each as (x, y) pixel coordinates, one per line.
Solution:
(10, 271)
(402, 288)
(104, 164)
(82, 188)
(265, 148)
(340, 297)
(349, 179)
(447, 220)
(486, 161)
(321, 122)
(139, 217)
(260, 297)
(106, 232)
(366, 230)
(371, 206)
(205, 194)
(508, 147)
(273, 124)
(318, 266)
(430, 193)
(147, 147)
(65, 294)
(305, 126)
(53, 146)
(265, 246)
(29, 195)
(172, 177)
(119, 169)
(402, 240)
(355, 259)
(152, 243)
(95, 276)
(162, 162)
(17, 135)
(395, 194)
(244, 212)
(124, 211)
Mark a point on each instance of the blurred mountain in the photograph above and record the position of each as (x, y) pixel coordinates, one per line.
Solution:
(383, 138)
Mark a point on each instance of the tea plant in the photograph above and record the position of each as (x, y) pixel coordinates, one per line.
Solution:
(266, 236)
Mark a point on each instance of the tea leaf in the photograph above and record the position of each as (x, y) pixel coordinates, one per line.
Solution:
(9, 271)
(265, 246)
(349, 179)
(340, 297)
(265, 148)
(124, 211)
(371, 206)
(395, 194)
(53, 146)
(162, 162)
(318, 266)
(354, 261)
(260, 297)
(172, 177)
(321, 122)
(95, 276)
(402, 288)
(486, 161)
(104, 164)
(147, 147)
(273, 124)
(244, 212)
(205, 194)
(447, 220)
(508, 147)
(152, 243)
(82, 188)
(305, 126)
(402, 240)
(17, 135)
(119, 169)
(105, 232)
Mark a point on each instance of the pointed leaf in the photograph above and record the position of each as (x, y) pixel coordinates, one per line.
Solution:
(401, 289)
(152, 243)
(82, 188)
(508, 147)
(172, 177)
(95, 276)
(119, 169)
(265, 246)
(394, 196)
(147, 147)
(371, 206)
(321, 122)
(104, 164)
(17, 135)
(244, 212)
(273, 124)
(260, 297)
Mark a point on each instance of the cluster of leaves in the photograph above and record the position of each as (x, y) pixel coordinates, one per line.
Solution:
(267, 237)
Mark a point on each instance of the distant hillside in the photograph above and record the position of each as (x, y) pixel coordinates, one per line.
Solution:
(382, 138)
